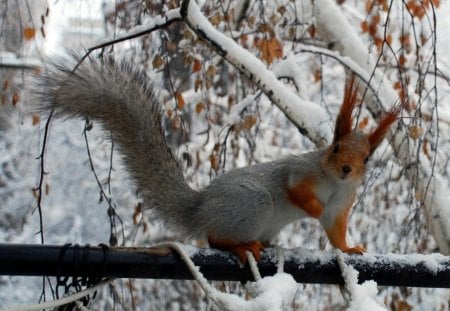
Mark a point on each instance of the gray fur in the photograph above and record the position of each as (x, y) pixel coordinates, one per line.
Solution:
(242, 205)
(121, 98)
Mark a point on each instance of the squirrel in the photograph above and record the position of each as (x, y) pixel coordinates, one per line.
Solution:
(239, 211)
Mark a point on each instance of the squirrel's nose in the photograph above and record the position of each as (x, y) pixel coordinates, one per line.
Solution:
(346, 169)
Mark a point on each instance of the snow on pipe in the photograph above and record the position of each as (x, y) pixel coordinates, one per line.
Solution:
(306, 266)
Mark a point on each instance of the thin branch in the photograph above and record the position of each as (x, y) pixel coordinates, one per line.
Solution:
(348, 63)
(103, 195)
(39, 196)
(349, 44)
(42, 175)
(257, 72)
(158, 22)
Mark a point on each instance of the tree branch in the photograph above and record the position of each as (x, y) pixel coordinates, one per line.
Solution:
(158, 22)
(309, 118)
(347, 42)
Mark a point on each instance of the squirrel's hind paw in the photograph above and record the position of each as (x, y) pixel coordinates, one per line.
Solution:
(240, 249)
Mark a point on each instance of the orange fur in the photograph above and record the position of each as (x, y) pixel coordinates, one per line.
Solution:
(344, 118)
(338, 231)
(345, 158)
(239, 249)
(385, 123)
(302, 195)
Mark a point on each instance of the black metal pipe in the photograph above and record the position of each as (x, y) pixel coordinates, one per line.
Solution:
(306, 266)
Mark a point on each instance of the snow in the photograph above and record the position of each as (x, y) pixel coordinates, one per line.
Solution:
(270, 293)
(336, 29)
(440, 214)
(308, 115)
(362, 295)
(385, 217)
(235, 111)
(273, 292)
(302, 255)
(433, 262)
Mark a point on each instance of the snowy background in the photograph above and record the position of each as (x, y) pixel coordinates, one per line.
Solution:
(388, 216)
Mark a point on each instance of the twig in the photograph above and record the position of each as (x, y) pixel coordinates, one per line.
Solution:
(158, 22)
(41, 176)
(39, 196)
(251, 67)
(111, 208)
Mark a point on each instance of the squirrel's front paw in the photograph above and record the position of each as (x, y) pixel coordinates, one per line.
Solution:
(358, 249)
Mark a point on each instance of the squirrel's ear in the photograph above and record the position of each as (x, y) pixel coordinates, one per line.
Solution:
(344, 118)
(386, 121)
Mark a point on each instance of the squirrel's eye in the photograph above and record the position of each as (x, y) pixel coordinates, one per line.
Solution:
(336, 148)
(366, 160)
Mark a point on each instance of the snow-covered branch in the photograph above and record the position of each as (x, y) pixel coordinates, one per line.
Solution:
(311, 120)
(335, 29)
(308, 117)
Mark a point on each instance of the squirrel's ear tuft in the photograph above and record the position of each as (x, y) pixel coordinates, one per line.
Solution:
(344, 118)
(386, 121)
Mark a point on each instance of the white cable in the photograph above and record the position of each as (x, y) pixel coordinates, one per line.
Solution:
(60, 302)
(344, 289)
(189, 263)
(280, 261)
(222, 300)
(253, 266)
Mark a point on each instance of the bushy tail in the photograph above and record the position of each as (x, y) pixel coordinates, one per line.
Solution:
(122, 99)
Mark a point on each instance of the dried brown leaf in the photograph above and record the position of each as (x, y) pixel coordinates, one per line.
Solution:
(363, 124)
(180, 100)
(270, 49)
(15, 98)
(199, 107)
(198, 83)
(197, 66)
(415, 132)
(157, 62)
(35, 119)
(214, 160)
(29, 33)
